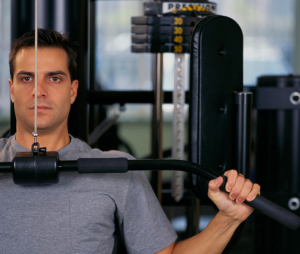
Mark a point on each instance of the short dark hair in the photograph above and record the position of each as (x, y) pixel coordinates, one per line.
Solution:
(46, 39)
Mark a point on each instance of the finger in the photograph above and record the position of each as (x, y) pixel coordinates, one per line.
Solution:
(231, 178)
(237, 188)
(247, 188)
(254, 192)
(215, 184)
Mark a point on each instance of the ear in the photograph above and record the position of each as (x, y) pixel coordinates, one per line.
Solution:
(12, 95)
(74, 88)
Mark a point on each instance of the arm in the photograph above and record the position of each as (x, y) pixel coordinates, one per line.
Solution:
(214, 238)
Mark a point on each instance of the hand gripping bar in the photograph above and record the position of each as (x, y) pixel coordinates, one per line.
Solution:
(122, 165)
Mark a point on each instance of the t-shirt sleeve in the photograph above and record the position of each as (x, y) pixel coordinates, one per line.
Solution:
(145, 227)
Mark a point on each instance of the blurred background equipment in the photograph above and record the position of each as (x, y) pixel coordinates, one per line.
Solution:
(277, 164)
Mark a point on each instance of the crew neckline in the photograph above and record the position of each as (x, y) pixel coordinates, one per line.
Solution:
(19, 148)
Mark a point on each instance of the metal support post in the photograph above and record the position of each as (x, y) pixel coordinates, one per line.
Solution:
(157, 123)
(178, 124)
(243, 101)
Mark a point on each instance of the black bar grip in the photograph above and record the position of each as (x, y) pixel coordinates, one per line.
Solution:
(109, 165)
(270, 209)
(6, 167)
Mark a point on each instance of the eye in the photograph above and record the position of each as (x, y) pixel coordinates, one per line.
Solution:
(55, 79)
(27, 79)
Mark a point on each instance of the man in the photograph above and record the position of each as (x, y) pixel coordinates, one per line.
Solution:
(82, 213)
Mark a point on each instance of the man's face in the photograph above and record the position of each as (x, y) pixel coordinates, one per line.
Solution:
(55, 92)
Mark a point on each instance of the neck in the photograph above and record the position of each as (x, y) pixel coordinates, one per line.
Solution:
(52, 140)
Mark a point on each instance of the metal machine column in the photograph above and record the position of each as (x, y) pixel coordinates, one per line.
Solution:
(277, 158)
(157, 117)
(178, 124)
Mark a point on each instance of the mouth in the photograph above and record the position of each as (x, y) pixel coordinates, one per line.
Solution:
(40, 108)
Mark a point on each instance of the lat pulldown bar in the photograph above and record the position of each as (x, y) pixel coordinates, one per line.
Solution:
(45, 169)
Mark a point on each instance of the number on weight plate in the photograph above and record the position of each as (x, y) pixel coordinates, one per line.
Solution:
(178, 39)
(178, 21)
(178, 49)
(178, 30)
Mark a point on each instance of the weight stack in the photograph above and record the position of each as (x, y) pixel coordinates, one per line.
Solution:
(167, 26)
(277, 163)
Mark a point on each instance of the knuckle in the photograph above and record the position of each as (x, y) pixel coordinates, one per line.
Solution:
(241, 176)
(241, 179)
(232, 183)
(236, 195)
(233, 171)
(253, 194)
(242, 197)
(248, 183)
(256, 186)
(235, 192)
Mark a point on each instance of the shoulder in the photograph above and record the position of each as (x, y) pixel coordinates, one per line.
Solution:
(5, 145)
(4, 142)
(116, 154)
(79, 149)
(8, 148)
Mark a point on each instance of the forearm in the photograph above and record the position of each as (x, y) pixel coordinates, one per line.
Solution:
(213, 239)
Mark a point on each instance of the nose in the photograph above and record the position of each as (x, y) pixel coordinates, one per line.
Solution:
(41, 89)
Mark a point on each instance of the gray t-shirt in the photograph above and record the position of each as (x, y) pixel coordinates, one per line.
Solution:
(82, 212)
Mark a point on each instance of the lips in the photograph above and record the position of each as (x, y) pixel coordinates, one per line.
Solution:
(41, 108)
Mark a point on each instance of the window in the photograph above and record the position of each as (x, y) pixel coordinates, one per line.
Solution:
(269, 34)
(4, 68)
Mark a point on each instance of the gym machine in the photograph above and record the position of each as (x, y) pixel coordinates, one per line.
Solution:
(276, 141)
(232, 112)
(166, 27)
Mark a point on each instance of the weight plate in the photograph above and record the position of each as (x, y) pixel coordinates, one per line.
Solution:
(150, 48)
(172, 30)
(159, 39)
(165, 21)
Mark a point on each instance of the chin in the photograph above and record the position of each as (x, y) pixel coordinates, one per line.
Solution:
(44, 125)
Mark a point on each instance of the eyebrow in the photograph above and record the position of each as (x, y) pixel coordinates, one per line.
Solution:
(27, 73)
(51, 73)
